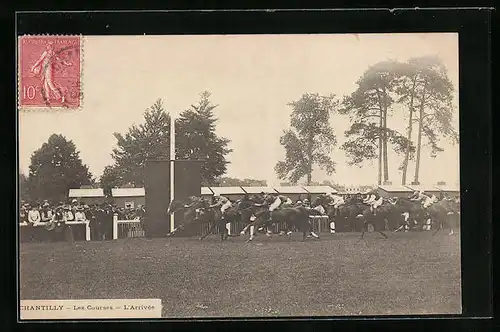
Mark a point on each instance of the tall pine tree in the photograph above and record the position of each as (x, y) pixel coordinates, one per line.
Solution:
(369, 108)
(196, 139)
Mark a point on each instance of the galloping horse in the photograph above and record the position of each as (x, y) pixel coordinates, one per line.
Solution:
(239, 212)
(189, 215)
(297, 217)
(441, 214)
(412, 211)
(384, 212)
(348, 212)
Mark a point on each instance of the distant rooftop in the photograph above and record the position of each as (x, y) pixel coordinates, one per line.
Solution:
(290, 190)
(206, 191)
(422, 187)
(320, 189)
(394, 188)
(258, 190)
(86, 192)
(448, 187)
(227, 190)
(127, 192)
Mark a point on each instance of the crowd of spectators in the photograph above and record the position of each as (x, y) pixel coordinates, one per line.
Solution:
(99, 216)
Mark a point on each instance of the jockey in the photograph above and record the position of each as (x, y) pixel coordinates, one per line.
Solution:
(392, 200)
(223, 202)
(423, 198)
(434, 199)
(428, 201)
(276, 202)
(417, 196)
(192, 201)
(370, 198)
(378, 201)
(374, 200)
(337, 200)
(285, 200)
(306, 203)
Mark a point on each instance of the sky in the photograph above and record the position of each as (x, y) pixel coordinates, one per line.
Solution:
(252, 78)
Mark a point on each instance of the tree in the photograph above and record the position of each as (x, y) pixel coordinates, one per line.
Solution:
(196, 139)
(369, 107)
(427, 92)
(234, 182)
(23, 186)
(434, 104)
(141, 142)
(112, 177)
(55, 168)
(310, 139)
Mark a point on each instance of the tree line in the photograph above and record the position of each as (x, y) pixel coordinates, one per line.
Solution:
(56, 166)
(419, 87)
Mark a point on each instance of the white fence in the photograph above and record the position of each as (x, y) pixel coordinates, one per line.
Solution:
(84, 222)
(131, 228)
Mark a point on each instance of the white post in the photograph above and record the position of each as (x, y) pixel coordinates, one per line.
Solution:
(172, 165)
(87, 230)
(228, 227)
(332, 227)
(115, 226)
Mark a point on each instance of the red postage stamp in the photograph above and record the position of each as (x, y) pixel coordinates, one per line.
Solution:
(49, 72)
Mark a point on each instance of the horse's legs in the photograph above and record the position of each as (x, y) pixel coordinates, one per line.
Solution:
(226, 233)
(383, 234)
(178, 228)
(450, 224)
(210, 229)
(365, 228)
(438, 227)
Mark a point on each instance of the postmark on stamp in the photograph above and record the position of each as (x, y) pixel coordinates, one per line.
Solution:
(49, 72)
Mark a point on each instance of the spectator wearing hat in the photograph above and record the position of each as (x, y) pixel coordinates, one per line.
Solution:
(47, 213)
(23, 213)
(79, 214)
(140, 212)
(68, 214)
(34, 215)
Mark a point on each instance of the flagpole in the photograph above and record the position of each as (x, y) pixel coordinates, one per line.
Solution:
(172, 166)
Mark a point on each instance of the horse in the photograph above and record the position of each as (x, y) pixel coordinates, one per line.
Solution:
(239, 212)
(369, 217)
(327, 204)
(347, 214)
(297, 217)
(441, 213)
(412, 211)
(190, 214)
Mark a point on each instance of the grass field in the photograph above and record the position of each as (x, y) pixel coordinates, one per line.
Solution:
(409, 273)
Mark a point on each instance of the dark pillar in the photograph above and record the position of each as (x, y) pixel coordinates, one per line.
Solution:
(187, 183)
(157, 192)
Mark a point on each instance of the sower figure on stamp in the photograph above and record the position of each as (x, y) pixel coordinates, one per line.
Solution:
(45, 67)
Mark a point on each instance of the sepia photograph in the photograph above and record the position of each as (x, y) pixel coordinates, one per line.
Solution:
(230, 176)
